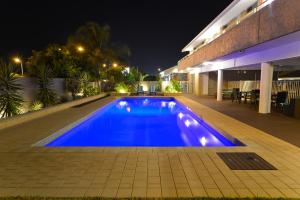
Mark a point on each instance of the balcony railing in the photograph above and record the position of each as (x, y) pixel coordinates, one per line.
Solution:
(265, 23)
(236, 21)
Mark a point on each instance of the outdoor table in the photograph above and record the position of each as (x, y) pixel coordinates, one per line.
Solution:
(244, 94)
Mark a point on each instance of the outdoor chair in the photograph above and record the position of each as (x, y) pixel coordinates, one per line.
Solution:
(227, 94)
(140, 90)
(236, 95)
(152, 90)
(246, 96)
(254, 97)
(280, 100)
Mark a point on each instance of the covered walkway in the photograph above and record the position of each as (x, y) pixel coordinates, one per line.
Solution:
(276, 124)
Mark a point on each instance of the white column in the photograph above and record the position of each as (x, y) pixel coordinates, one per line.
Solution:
(266, 79)
(220, 85)
(196, 84)
(190, 83)
(205, 80)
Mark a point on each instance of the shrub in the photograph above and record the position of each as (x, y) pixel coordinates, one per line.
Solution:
(173, 87)
(64, 99)
(10, 100)
(74, 85)
(176, 85)
(159, 85)
(90, 91)
(45, 94)
(36, 105)
(121, 88)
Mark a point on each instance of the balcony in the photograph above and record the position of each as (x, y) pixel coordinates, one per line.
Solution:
(275, 20)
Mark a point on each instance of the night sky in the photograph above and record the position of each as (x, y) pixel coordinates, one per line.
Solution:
(155, 30)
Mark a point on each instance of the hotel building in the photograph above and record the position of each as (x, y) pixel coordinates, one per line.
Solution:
(251, 42)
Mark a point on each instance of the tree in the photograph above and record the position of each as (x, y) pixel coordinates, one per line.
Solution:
(134, 79)
(92, 35)
(74, 82)
(113, 76)
(10, 100)
(57, 57)
(98, 49)
(45, 94)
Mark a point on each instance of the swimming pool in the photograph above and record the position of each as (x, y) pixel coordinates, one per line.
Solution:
(141, 122)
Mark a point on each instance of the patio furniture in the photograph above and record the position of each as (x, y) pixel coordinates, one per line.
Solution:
(297, 108)
(236, 95)
(254, 97)
(141, 90)
(226, 94)
(152, 90)
(245, 96)
(280, 101)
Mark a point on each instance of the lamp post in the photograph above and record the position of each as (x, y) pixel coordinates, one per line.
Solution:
(80, 49)
(18, 60)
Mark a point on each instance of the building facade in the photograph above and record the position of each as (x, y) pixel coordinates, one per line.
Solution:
(261, 36)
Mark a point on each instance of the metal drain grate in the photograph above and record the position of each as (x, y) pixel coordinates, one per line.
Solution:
(245, 161)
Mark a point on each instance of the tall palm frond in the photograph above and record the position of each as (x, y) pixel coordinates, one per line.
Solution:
(10, 100)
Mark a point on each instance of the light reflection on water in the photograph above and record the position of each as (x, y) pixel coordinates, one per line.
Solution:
(155, 122)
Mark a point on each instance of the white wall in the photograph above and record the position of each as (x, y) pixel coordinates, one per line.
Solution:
(30, 89)
(147, 84)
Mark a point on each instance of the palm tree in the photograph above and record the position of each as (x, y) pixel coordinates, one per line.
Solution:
(10, 100)
(134, 78)
(92, 35)
(99, 49)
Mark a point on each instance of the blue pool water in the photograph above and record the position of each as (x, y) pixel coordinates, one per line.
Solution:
(140, 121)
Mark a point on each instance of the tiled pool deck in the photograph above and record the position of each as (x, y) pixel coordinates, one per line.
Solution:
(142, 172)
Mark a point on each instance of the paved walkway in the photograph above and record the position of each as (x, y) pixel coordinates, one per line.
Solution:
(142, 172)
(276, 124)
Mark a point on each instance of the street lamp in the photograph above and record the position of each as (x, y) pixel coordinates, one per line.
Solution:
(115, 65)
(159, 69)
(103, 65)
(18, 60)
(80, 49)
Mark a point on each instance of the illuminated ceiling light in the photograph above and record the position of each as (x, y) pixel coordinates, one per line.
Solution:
(206, 63)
